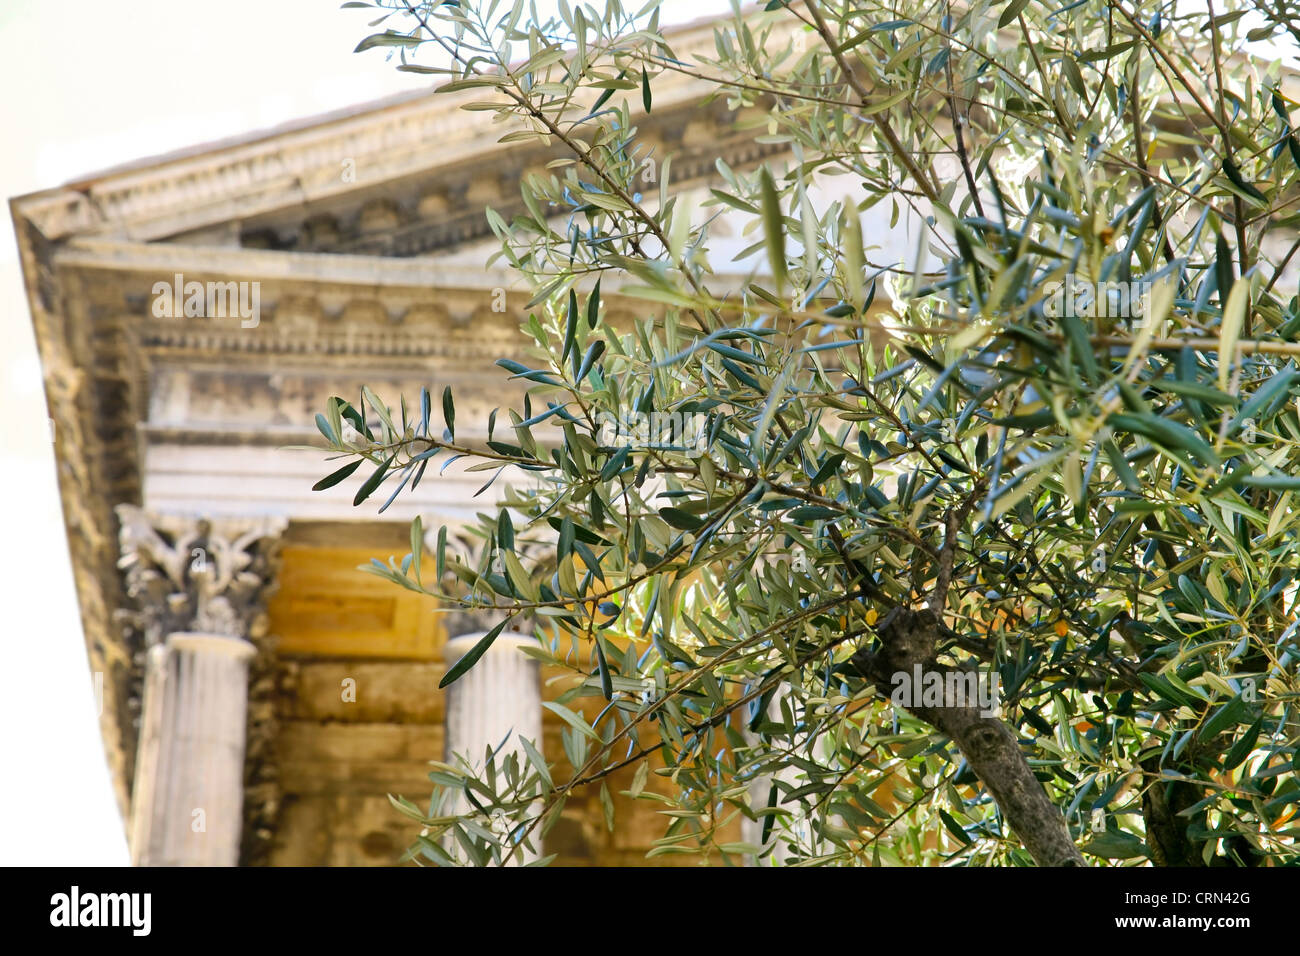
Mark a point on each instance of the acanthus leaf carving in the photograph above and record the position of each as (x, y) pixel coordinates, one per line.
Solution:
(192, 574)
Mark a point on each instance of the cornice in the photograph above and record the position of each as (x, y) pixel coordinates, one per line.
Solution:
(160, 260)
(320, 304)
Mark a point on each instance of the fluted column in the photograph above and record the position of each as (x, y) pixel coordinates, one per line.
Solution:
(200, 588)
(498, 698)
(760, 788)
(189, 812)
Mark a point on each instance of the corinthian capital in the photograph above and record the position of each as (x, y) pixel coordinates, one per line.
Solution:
(192, 574)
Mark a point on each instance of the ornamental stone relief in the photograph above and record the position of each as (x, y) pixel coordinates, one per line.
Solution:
(183, 397)
(191, 574)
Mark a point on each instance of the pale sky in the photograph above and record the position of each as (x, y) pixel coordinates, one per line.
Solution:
(90, 85)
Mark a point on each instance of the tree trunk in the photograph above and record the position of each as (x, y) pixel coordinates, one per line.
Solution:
(990, 747)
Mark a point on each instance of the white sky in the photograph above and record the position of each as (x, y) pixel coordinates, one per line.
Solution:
(90, 85)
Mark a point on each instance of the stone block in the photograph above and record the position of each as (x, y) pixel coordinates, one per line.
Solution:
(368, 692)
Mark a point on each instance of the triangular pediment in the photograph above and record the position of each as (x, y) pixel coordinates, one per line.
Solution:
(406, 176)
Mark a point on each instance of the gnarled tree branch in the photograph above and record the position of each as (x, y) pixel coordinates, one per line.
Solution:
(989, 746)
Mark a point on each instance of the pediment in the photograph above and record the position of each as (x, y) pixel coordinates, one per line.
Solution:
(406, 176)
(441, 209)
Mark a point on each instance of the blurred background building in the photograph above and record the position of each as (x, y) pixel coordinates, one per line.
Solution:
(261, 697)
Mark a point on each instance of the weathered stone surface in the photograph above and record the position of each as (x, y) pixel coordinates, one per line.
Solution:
(359, 742)
(407, 778)
(367, 692)
(189, 785)
(194, 574)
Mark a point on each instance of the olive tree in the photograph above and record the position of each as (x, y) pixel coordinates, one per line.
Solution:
(778, 531)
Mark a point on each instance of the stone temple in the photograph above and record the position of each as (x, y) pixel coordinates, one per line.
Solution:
(261, 696)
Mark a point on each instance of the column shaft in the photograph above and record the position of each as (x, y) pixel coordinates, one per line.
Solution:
(190, 777)
(498, 700)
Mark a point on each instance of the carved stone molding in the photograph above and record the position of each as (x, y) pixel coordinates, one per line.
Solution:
(303, 163)
(444, 208)
(191, 574)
